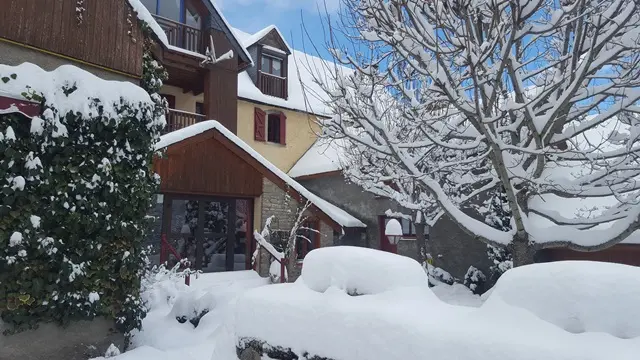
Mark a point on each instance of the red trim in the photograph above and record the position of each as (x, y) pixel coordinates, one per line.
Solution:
(26, 107)
(259, 126)
(283, 128)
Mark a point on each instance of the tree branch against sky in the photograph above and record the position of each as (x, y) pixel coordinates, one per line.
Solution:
(461, 97)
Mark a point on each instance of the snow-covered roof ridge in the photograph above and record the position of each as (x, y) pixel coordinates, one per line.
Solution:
(251, 40)
(335, 213)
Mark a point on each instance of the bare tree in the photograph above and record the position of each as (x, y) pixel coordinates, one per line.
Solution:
(454, 99)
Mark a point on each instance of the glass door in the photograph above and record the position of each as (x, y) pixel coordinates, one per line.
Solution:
(213, 234)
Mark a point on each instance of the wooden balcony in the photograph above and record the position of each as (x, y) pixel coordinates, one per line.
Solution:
(177, 120)
(272, 85)
(182, 35)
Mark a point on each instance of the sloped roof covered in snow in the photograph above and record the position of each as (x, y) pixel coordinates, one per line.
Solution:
(339, 216)
(304, 94)
(251, 40)
(144, 15)
(324, 156)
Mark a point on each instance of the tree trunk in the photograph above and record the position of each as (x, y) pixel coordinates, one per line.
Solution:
(523, 253)
(421, 244)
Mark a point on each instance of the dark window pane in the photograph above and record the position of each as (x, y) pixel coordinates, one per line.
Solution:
(273, 128)
(170, 9)
(266, 65)
(200, 108)
(150, 5)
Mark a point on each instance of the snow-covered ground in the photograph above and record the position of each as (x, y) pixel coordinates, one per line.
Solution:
(565, 310)
(164, 338)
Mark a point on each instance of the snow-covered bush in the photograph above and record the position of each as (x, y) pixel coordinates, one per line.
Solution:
(501, 259)
(475, 279)
(577, 296)
(439, 275)
(360, 271)
(76, 183)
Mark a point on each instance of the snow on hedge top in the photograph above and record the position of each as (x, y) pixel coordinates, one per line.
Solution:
(51, 84)
(360, 271)
(335, 213)
(322, 157)
(577, 296)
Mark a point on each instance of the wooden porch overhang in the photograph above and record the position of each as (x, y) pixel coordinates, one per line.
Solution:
(209, 163)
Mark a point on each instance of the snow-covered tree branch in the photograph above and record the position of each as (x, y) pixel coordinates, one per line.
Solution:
(452, 100)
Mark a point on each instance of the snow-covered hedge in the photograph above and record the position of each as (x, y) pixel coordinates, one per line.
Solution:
(76, 185)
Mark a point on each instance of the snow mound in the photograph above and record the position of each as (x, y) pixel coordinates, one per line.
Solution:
(577, 296)
(360, 271)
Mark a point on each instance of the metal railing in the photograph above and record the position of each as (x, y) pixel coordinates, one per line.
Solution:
(182, 35)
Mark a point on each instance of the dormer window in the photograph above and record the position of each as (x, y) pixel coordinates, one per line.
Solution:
(271, 65)
(272, 74)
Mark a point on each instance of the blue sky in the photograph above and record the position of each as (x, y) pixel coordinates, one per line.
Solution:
(288, 15)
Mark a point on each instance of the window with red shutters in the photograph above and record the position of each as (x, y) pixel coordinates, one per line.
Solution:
(259, 124)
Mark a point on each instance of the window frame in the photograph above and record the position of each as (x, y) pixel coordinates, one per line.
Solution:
(184, 4)
(411, 235)
(271, 59)
(276, 116)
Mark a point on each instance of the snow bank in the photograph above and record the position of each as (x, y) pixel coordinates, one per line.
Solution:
(577, 296)
(360, 271)
(409, 323)
(403, 319)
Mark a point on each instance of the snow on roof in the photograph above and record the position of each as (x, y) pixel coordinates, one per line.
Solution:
(304, 94)
(231, 30)
(50, 84)
(252, 39)
(322, 157)
(144, 15)
(335, 213)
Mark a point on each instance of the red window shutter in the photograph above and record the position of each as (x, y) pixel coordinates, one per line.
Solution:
(283, 128)
(259, 125)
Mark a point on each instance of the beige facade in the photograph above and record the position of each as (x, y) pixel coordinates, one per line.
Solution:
(302, 128)
(302, 132)
(184, 102)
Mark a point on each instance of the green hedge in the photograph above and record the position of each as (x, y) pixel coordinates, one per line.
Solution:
(76, 188)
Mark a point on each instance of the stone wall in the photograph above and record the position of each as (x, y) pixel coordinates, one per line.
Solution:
(274, 202)
(79, 341)
(11, 54)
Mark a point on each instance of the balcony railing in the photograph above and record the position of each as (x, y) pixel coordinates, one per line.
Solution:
(273, 85)
(182, 35)
(177, 120)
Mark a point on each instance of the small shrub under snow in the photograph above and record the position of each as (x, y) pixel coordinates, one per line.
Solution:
(360, 271)
(475, 279)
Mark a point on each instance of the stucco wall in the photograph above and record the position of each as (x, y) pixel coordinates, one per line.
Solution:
(184, 102)
(13, 55)
(452, 249)
(301, 134)
(357, 202)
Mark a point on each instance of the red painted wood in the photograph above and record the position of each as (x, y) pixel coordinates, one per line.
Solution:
(28, 108)
(259, 126)
(283, 128)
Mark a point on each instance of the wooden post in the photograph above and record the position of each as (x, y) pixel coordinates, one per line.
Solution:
(283, 270)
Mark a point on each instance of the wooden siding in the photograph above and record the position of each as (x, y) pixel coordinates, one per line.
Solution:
(221, 86)
(201, 165)
(104, 37)
(622, 254)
